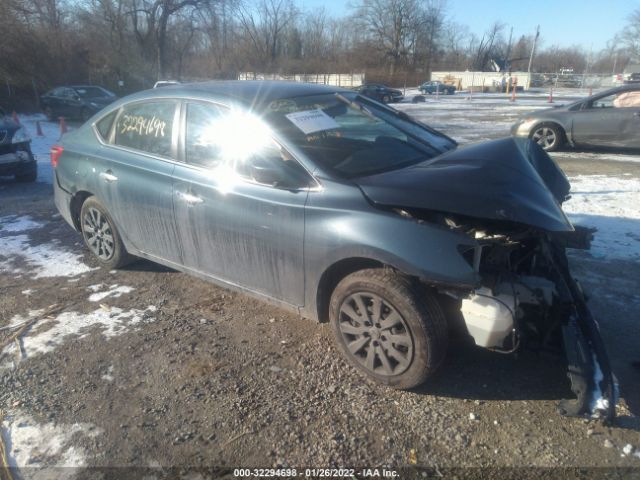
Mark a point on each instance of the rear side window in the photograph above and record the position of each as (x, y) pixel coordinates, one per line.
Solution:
(103, 126)
(146, 127)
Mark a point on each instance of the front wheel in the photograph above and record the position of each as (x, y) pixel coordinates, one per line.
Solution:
(550, 137)
(386, 99)
(388, 327)
(101, 236)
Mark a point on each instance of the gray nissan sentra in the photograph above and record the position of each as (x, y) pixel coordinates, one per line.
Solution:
(344, 210)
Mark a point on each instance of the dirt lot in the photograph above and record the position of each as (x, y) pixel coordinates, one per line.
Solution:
(149, 367)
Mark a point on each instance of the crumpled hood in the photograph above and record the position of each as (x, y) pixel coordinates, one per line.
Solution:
(510, 179)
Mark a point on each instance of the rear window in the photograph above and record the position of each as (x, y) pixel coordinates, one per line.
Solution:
(146, 127)
(103, 126)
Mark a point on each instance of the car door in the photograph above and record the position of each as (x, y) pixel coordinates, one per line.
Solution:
(134, 176)
(608, 121)
(231, 226)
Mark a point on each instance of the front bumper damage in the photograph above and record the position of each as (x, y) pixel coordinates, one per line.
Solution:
(529, 297)
(588, 365)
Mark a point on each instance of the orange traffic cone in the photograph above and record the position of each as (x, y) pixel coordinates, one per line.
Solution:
(63, 126)
(14, 115)
(39, 129)
(550, 95)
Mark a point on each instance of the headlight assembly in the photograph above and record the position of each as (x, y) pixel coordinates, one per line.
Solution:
(20, 136)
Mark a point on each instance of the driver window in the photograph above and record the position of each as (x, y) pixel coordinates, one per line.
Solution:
(620, 100)
(627, 100)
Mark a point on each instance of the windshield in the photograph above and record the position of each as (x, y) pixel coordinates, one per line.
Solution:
(92, 92)
(351, 135)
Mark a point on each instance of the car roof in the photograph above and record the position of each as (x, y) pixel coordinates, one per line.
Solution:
(249, 92)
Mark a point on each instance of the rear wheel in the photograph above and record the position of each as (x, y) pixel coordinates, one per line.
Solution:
(386, 99)
(101, 236)
(389, 327)
(549, 136)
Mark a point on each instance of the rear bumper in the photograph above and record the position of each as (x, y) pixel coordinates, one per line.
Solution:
(62, 200)
(17, 163)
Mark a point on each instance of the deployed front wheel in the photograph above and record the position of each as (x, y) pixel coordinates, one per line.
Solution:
(101, 236)
(389, 327)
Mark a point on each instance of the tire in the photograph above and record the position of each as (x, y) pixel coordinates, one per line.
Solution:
(409, 313)
(101, 236)
(386, 99)
(548, 135)
(27, 177)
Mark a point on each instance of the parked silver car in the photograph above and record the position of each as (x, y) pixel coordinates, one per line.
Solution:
(342, 209)
(607, 119)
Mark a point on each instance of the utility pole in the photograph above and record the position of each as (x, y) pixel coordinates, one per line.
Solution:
(533, 49)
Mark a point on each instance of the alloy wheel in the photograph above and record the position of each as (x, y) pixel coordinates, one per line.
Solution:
(98, 234)
(375, 334)
(546, 137)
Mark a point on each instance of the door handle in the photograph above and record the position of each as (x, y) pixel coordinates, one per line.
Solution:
(108, 176)
(190, 199)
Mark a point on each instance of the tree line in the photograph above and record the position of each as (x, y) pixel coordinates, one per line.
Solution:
(126, 45)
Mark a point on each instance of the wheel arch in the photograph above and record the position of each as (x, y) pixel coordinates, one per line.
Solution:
(554, 123)
(332, 276)
(75, 207)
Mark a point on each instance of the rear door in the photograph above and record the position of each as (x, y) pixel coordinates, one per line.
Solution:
(232, 226)
(610, 121)
(134, 176)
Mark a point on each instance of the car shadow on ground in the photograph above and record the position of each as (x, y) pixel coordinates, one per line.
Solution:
(478, 374)
(601, 150)
(143, 265)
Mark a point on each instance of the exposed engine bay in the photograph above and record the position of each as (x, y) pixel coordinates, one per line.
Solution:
(527, 298)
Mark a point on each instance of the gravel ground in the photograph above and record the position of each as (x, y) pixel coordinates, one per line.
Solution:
(148, 367)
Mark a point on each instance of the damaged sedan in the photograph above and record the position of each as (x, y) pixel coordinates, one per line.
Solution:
(344, 210)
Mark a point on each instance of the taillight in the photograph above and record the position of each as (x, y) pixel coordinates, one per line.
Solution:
(55, 152)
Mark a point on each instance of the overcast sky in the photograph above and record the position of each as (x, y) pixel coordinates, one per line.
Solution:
(586, 23)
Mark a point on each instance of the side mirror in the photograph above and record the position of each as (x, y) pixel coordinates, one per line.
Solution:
(265, 172)
(278, 173)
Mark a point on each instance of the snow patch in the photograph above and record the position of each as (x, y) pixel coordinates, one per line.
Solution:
(13, 224)
(43, 446)
(47, 259)
(612, 205)
(114, 291)
(49, 334)
(109, 375)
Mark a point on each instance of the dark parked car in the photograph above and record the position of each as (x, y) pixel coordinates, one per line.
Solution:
(607, 119)
(78, 101)
(437, 87)
(15, 151)
(343, 210)
(381, 93)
